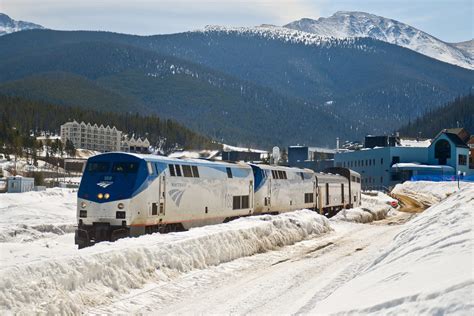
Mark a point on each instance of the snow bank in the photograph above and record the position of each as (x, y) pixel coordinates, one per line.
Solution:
(427, 192)
(98, 274)
(32, 215)
(427, 269)
(375, 206)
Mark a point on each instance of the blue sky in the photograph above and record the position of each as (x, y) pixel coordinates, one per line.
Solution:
(451, 21)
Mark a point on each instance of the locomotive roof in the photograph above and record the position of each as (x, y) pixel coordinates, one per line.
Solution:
(165, 159)
(273, 167)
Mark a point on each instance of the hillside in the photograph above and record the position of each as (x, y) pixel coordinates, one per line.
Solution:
(24, 116)
(459, 112)
(360, 79)
(119, 77)
(258, 86)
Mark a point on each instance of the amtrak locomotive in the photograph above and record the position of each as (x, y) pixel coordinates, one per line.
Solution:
(124, 194)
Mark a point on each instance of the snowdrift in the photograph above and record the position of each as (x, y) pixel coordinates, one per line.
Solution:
(427, 269)
(426, 192)
(376, 206)
(31, 215)
(98, 274)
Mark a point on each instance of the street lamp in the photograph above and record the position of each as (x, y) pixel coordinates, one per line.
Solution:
(460, 173)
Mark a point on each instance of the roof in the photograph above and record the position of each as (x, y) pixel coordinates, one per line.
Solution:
(459, 136)
(456, 140)
(405, 142)
(315, 149)
(417, 166)
(471, 140)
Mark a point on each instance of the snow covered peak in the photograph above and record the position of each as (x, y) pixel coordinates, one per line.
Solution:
(344, 24)
(274, 32)
(467, 47)
(8, 25)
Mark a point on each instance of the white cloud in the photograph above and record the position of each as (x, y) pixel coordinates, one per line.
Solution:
(159, 16)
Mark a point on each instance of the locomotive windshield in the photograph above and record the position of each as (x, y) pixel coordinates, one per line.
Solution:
(125, 167)
(95, 167)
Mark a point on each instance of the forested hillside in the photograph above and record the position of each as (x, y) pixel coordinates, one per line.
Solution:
(459, 112)
(20, 117)
(252, 86)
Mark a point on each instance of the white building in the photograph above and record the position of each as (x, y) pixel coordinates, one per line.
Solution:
(20, 184)
(135, 145)
(92, 137)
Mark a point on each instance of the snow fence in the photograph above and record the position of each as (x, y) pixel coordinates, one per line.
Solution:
(98, 274)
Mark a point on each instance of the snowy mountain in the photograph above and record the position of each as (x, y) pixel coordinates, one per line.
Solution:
(8, 25)
(345, 24)
(467, 47)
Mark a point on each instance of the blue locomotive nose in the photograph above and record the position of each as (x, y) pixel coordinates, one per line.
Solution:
(112, 177)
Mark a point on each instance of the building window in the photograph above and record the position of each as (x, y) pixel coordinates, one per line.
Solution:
(462, 160)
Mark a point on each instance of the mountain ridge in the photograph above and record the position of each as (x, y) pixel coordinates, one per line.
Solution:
(346, 24)
(9, 25)
(244, 85)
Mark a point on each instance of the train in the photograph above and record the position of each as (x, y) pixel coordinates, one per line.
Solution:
(128, 195)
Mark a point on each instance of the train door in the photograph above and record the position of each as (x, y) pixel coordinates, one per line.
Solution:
(162, 194)
(268, 198)
(251, 198)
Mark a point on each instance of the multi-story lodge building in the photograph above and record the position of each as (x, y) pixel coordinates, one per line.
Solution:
(92, 137)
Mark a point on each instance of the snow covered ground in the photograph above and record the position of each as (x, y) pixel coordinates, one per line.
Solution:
(27, 216)
(426, 269)
(375, 206)
(298, 262)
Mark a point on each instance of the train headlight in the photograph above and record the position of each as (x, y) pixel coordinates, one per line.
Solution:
(120, 206)
(106, 196)
(100, 196)
(83, 204)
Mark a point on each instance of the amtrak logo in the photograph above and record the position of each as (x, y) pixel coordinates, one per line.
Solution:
(104, 184)
(176, 196)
